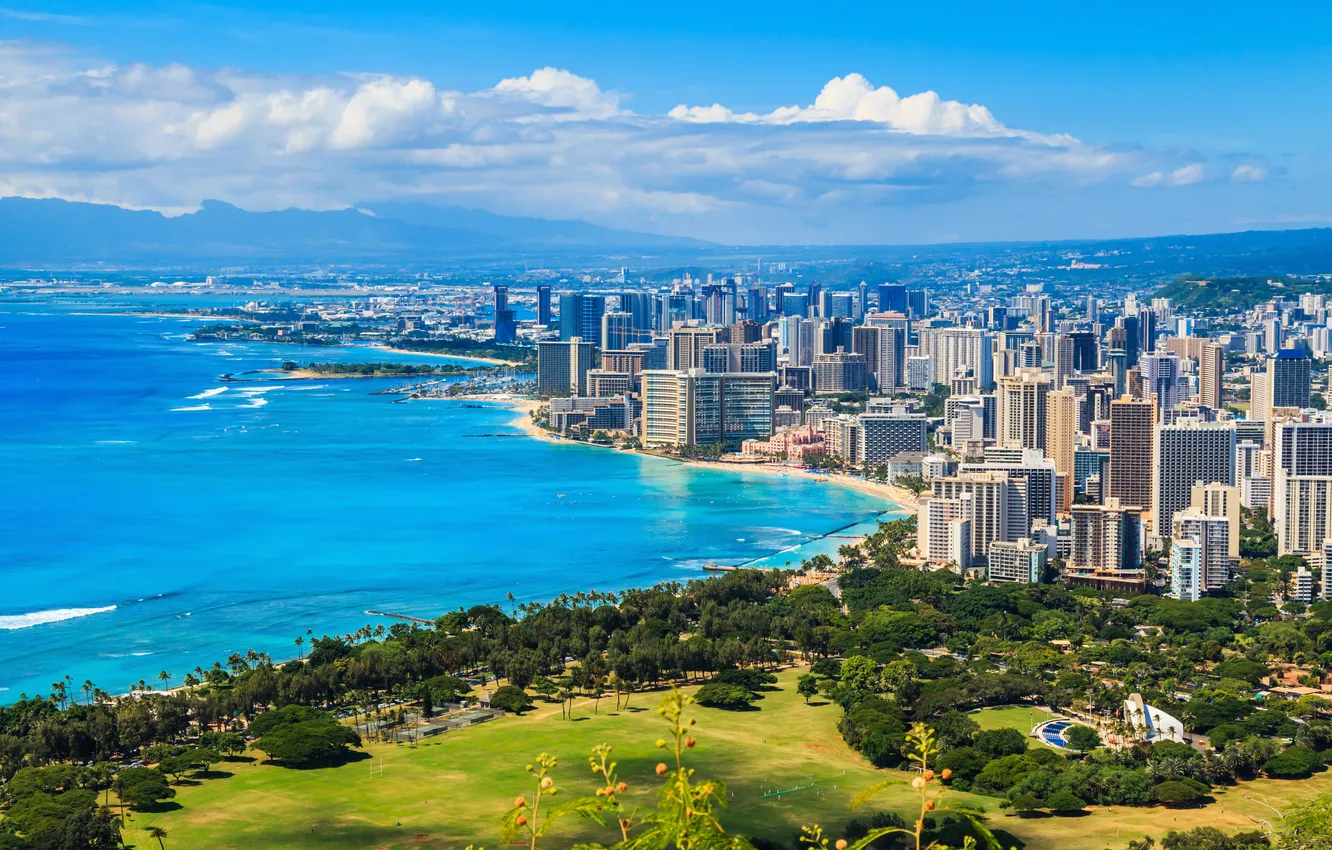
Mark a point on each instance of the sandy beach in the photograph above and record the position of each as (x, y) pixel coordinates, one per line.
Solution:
(902, 498)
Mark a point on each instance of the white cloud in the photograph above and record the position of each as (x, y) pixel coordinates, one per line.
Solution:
(853, 98)
(1248, 174)
(550, 143)
(1184, 176)
(560, 89)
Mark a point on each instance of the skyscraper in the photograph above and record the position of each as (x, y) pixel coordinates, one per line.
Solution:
(892, 298)
(1288, 376)
(1061, 440)
(580, 315)
(1160, 380)
(1184, 454)
(617, 331)
(949, 348)
(840, 372)
(685, 346)
(697, 408)
(1131, 425)
(1022, 409)
(543, 305)
(562, 367)
(506, 327)
(1106, 546)
(1211, 374)
(1301, 502)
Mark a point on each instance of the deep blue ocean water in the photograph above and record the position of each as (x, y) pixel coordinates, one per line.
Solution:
(197, 518)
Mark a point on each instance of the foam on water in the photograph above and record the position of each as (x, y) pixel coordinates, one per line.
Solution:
(9, 622)
(210, 393)
(192, 408)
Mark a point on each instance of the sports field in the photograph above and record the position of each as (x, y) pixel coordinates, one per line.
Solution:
(451, 791)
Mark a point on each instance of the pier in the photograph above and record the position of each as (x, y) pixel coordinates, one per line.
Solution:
(417, 620)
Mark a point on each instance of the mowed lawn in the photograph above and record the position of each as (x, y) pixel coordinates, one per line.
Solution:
(451, 791)
(1020, 717)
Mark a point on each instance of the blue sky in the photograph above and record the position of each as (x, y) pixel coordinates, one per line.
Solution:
(1122, 119)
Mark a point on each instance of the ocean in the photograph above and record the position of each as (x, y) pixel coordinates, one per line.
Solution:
(154, 519)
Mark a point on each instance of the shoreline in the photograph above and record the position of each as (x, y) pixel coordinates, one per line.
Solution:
(900, 498)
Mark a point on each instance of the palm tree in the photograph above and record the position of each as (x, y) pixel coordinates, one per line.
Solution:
(87, 690)
(157, 832)
(165, 678)
(300, 642)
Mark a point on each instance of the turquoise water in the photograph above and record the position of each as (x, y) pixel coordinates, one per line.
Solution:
(153, 518)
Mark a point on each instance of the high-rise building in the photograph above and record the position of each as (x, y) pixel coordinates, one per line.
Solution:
(740, 357)
(1106, 546)
(1040, 482)
(1301, 500)
(543, 305)
(580, 315)
(998, 507)
(840, 372)
(1131, 429)
(1023, 409)
(1184, 454)
(1084, 351)
(1160, 379)
(1187, 566)
(919, 374)
(918, 303)
(1061, 440)
(1211, 375)
(1289, 378)
(684, 348)
(883, 436)
(1063, 360)
(949, 348)
(756, 305)
(506, 326)
(1022, 561)
(1260, 396)
(1220, 500)
(1208, 568)
(562, 367)
(944, 530)
(697, 408)
(617, 331)
(1117, 361)
(892, 298)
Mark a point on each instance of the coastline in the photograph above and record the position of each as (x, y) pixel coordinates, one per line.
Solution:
(898, 497)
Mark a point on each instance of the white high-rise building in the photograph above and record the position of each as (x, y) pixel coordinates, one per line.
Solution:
(1160, 379)
(1210, 562)
(1184, 454)
(943, 531)
(919, 373)
(1303, 586)
(1301, 502)
(1186, 569)
(949, 348)
(998, 507)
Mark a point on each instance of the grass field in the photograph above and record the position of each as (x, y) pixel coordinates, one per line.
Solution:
(450, 792)
(1020, 717)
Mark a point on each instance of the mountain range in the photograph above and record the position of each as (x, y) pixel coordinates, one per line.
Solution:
(51, 232)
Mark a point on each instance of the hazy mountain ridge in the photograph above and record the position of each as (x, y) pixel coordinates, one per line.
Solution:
(48, 231)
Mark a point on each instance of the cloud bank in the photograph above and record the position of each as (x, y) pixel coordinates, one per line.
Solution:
(550, 143)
